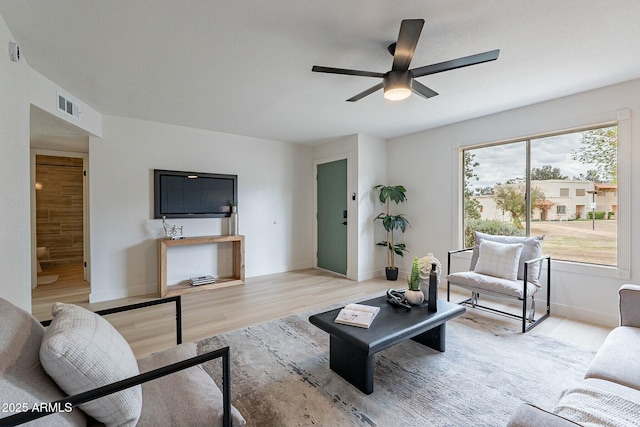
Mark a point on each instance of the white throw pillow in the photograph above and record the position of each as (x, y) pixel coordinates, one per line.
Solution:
(82, 351)
(499, 259)
(532, 249)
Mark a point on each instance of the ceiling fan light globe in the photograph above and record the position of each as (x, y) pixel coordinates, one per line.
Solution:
(397, 93)
(397, 85)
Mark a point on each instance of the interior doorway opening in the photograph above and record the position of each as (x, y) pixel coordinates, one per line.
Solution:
(59, 212)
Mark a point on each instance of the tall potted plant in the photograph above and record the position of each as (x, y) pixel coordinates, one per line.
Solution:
(391, 223)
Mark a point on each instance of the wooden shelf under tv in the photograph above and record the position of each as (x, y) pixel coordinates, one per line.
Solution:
(183, 287)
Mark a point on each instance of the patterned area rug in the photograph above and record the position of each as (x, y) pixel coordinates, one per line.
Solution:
(281, 376)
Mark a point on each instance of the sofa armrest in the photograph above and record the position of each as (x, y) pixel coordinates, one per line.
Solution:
(87, 396)
(630, 305)
(528, 415)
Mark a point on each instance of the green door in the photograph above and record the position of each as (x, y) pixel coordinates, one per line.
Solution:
(332, 216)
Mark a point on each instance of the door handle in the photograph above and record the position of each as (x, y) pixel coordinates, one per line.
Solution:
(344, 223)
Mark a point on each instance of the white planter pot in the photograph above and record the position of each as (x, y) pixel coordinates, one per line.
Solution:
(414, 297)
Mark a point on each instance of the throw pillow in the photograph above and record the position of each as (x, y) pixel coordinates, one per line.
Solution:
(499, 259)
(187, 398)
(532, 249)
(82, 351)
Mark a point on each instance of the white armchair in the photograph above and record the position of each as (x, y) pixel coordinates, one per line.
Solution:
(504, 266)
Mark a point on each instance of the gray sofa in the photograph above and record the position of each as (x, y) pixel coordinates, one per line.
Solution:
(610, 392)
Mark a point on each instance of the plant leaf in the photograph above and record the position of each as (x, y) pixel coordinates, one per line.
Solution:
(396, 193)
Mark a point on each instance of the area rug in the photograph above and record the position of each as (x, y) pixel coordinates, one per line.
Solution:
(281, 376)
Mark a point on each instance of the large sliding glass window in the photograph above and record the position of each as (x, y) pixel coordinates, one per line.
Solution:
(562, 187)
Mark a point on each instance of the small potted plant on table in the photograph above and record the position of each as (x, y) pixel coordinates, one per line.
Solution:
(414, 295)
(390, 222)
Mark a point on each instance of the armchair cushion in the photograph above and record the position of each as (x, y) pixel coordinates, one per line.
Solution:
(81, 351)
(531, 249)
(499, 259)
(22, 378)
(185, 398)
(496, 285)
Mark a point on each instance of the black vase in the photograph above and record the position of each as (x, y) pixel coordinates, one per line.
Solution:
(391, 272)
(432, 306)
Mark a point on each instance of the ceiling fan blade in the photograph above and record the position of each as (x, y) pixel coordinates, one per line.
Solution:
(331, 70)
(410, 30)
(365, 93)
(466, 61)
(422, 90)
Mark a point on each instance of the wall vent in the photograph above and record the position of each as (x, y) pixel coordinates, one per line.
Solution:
(68, 106)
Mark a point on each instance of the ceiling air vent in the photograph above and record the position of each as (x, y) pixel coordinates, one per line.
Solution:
(68, 106)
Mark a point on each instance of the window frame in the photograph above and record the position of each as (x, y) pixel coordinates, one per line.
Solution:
(619, 118)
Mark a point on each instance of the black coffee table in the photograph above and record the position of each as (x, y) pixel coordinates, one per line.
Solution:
(351, 349)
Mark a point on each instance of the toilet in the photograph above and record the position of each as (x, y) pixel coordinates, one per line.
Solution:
(41, 252)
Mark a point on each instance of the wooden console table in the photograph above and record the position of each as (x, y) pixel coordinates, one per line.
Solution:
(237, 278)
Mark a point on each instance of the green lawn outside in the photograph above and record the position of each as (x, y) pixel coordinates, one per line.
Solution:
(577, 241)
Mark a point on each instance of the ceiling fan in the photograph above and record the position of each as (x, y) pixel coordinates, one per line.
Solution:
(400, 82)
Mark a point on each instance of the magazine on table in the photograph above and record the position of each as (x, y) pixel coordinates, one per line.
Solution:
(357, 315)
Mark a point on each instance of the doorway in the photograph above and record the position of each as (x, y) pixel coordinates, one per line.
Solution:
(59, 224)
(332, 218)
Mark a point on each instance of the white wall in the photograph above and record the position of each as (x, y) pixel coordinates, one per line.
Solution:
(274, 200)
(372, 170)
(428, 164)
(15, 260)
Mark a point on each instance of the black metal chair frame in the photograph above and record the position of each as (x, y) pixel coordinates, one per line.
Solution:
(105, 390)
(473, 301)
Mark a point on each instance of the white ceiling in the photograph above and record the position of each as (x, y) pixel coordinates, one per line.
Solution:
(244, 66)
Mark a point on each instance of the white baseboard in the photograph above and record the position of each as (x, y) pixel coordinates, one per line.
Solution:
(371, 274)
(151, 288)
(133, 291)
(577, 313)
(563, 310)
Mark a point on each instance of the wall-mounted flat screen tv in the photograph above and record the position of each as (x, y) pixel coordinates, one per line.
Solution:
(193, 194)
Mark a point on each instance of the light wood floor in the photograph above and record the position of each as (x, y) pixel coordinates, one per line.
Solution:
(70, 288)
(261, 299)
